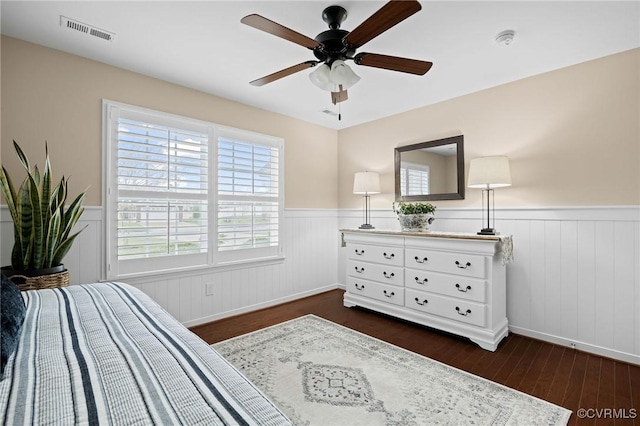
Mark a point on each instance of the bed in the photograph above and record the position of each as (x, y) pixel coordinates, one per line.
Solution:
(105, 353)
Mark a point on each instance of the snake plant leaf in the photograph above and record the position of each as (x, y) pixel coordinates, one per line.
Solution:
(37, 230)
(26, 219)
(45, 201)
(53, 236)
(71, 223)
(73, 214)
(9, 192)
(23, 158)
(36, 175)
(58, 198)
(27, 255)
(53, 199)
(64, 248)
(62, 195)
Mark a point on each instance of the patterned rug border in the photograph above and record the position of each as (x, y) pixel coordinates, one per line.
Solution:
(567, 413)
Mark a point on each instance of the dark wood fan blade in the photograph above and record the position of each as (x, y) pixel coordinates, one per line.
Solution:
(393, 63)
(268, 26)
(283, 73)
(386, 17)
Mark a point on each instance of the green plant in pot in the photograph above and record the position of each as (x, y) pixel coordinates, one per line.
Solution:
(414, 217)
(42, 224)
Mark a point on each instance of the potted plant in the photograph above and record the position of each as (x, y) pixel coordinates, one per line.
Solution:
(414, 217)
(41, 225)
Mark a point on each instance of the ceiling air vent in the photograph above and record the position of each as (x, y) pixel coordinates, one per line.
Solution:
(329, 112)
(72, 24)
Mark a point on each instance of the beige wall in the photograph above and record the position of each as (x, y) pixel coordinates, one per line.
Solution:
(572, 137)
(53, 96)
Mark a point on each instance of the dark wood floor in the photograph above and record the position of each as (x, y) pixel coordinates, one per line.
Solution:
(607, 389)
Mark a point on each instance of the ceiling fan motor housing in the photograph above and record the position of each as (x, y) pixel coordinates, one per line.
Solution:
(334, 16)
(332, 39)
(333, 48)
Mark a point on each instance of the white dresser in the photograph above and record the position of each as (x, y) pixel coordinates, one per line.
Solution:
(452, 282)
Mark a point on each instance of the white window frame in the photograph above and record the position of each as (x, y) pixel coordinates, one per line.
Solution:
(116, 269)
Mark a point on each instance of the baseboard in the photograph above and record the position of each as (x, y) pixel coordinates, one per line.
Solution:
(268, 304)
(574, 344)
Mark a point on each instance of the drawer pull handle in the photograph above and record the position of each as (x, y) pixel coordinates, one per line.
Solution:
(424, 302)
(389, 294)
(463, 290)
(359, 286)
(359, 252)
(359, 270)
(418, 260)
(465, 313)
(388, 256)
(423, 281)
(463, 267)
(391, 275)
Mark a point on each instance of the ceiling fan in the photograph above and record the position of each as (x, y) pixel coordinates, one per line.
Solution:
(334, 46)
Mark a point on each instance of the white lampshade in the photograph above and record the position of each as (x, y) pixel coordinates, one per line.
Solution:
(489, 172)
(366, 183)
(320, 77)
(342, 75)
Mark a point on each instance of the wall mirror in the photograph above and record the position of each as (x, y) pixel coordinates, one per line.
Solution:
(431, 170)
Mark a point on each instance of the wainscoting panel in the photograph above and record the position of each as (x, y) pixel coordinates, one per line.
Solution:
(575, 279)
(311, 246)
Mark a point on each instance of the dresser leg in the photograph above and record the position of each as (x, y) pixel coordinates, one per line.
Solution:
(347, 303)
(491, 346)
(485, 345)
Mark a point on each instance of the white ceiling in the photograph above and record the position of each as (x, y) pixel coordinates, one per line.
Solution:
(203, 45)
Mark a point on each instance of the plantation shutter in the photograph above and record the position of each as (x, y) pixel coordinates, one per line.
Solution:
(248, 192)
(161, 208)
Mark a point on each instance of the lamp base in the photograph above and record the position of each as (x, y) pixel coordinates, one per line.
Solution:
(366, 226)
(488, 231)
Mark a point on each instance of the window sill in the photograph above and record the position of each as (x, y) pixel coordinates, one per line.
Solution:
(200, 270)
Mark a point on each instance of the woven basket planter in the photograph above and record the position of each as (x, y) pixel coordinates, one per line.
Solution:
(30, 280)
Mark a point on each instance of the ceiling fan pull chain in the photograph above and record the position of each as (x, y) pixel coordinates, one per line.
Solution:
(339, 112)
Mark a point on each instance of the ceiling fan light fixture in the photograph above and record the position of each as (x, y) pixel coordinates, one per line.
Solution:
(342, 75)
(321, 78)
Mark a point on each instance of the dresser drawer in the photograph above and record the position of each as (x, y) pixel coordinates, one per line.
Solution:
(455, 309)
(386, 274)
(382, 292)
(377, 254)
(451, 263)
(450, 285)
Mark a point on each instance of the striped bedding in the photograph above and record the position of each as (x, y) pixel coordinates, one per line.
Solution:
(106, 353)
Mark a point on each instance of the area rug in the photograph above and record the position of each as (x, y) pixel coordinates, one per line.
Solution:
(321, 373)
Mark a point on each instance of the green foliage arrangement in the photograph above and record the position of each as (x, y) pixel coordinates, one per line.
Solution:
(42, 226)
(413, 208)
